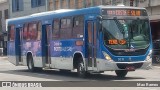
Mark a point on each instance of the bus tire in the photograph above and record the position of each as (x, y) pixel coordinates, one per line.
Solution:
(30, 65)
(121, 73)
(81, 69)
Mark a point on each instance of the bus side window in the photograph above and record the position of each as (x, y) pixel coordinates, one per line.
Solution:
(32, 31)
(39, 27)
(78, 27)
(89, 32)
(56, 29)
(66, 28)
(25, 31)
(11, 35)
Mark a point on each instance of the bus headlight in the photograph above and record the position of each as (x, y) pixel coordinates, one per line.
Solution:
(107, 57)
(149, 56)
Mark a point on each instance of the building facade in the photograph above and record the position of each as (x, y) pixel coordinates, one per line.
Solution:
(4, 14)
(153, 8)
(4, 6)
(20, 8)
(151, 5)
(76, 4)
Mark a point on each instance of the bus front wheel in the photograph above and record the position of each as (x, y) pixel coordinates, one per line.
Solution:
(121, 73)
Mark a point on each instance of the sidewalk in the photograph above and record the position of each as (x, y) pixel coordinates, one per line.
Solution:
(154, 64)
(3, 58)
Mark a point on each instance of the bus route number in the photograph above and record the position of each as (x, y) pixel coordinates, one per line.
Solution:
(115, 42)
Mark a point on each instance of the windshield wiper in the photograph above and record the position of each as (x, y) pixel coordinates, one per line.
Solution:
(119, 25)
(121, 28)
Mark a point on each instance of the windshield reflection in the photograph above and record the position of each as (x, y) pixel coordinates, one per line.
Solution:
(135, 32)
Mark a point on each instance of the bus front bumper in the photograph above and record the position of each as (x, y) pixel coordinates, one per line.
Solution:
(104, 65)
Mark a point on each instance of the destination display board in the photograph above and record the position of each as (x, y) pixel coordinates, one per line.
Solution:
(124, 12)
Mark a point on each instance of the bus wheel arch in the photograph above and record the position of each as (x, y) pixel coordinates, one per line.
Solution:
(76, 59)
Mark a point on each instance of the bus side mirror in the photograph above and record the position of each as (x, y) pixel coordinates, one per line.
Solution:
(99, 23)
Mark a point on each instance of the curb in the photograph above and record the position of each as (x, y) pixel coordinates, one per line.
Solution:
(157, 67)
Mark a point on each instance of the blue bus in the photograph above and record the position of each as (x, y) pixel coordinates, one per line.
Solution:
(89, 40)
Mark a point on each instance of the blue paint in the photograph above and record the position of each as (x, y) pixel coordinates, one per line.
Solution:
(65, 47)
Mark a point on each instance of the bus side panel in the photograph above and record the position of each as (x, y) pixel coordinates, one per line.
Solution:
(24, 54)
(33, 47)
(62, 53)
(37, 54)
(11, 53)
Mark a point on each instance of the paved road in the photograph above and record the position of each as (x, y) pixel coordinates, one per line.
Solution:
(9, 72)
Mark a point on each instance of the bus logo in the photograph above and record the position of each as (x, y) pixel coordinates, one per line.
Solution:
(129, 50)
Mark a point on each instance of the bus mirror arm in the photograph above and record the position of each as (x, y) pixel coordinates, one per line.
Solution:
(99, 22)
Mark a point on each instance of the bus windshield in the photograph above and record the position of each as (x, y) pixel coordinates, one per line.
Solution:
(126, 33)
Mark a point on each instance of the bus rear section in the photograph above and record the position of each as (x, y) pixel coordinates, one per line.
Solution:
(14, 45)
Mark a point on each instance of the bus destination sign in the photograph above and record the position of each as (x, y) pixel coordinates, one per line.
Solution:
(124, 12)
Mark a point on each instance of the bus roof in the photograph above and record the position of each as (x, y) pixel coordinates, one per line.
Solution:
(127, 7)
(42, 14)
(57, 13)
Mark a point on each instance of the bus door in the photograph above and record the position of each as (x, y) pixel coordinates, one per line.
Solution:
(18, 45)
(46, 45)
(91, 46)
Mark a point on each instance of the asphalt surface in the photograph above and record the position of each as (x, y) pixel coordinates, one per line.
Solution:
(9, 72)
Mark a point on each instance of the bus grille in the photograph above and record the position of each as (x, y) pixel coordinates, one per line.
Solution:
(133, 53)
(135, 65)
